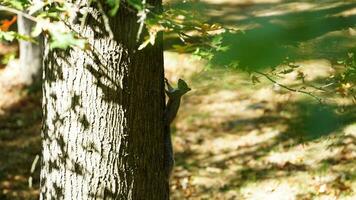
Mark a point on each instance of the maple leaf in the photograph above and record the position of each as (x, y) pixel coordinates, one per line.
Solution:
(5, 24)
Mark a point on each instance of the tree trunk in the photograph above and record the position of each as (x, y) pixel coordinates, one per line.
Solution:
(30, 53)
(103, 126)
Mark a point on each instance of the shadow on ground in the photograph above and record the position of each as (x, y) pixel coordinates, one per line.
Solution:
(290, 141)
(20, 143)
(274, 32)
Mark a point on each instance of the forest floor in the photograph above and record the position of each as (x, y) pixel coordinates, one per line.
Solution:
(233, 139)
(238, 140)
(20, 125)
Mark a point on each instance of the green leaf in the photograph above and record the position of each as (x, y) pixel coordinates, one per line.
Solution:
(287, 71)
(17, 4)
(65, 40)
(7, 36)
(136, 4)
(12, 35)
(115, 5)
(217, 40)
(7, 58)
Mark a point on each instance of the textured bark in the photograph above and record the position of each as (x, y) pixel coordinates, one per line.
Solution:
(30, 53)
(103, 127)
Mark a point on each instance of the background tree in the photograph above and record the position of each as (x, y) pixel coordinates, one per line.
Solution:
(30, 52)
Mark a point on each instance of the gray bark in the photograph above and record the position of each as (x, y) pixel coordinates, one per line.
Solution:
(103, 128)
(30, 53)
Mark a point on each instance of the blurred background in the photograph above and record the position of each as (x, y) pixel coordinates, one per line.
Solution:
(244, 131)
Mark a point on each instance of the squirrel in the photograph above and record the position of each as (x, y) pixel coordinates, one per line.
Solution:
(172, 107)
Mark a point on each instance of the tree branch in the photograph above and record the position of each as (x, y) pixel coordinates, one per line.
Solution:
(289, 88)
(18, 12)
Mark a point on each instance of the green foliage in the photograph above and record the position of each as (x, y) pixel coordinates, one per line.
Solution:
(10, 36)
(60, 40)
(7, 58)
(174, 21)
(318, 120)
(137, 4)
(346, 80)
(211, 48)
(17, 4)
(115, 5)
(7, 36)
(49, 15)
(349, 76)
(254, 50)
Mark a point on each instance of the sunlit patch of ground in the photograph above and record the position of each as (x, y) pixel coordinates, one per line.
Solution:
(234, 141)
(178, 64)
(242, 2)
(10, 91)
(286, 7)
(237, 140)
(20, 124)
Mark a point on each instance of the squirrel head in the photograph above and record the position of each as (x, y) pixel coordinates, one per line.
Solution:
(183, 86)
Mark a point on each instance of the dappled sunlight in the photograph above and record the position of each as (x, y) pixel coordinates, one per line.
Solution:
(242, 2)
(285, 9)
(350, 130)
(270, 190)
(10, 83)
(20, 125)
(334, 44)
(181, 65)
(346, 13)
(312, 70)
(232, 142)
(291, 7)
(270, 94)
(276, 31)
(238, 135)
(236, 142)
(309, 154)
(226, 104)
(266, 142)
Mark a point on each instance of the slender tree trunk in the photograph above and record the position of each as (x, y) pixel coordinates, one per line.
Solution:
(103, 127)
(30, 53)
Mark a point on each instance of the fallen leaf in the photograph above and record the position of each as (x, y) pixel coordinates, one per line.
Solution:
(5, 24)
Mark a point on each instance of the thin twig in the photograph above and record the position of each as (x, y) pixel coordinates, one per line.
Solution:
(85, 15)
(18, 12)
(106, 20)
(288, 88)
(320, 87)
(33, 167)
(143, 16)
(327, 85)
(316, 87)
